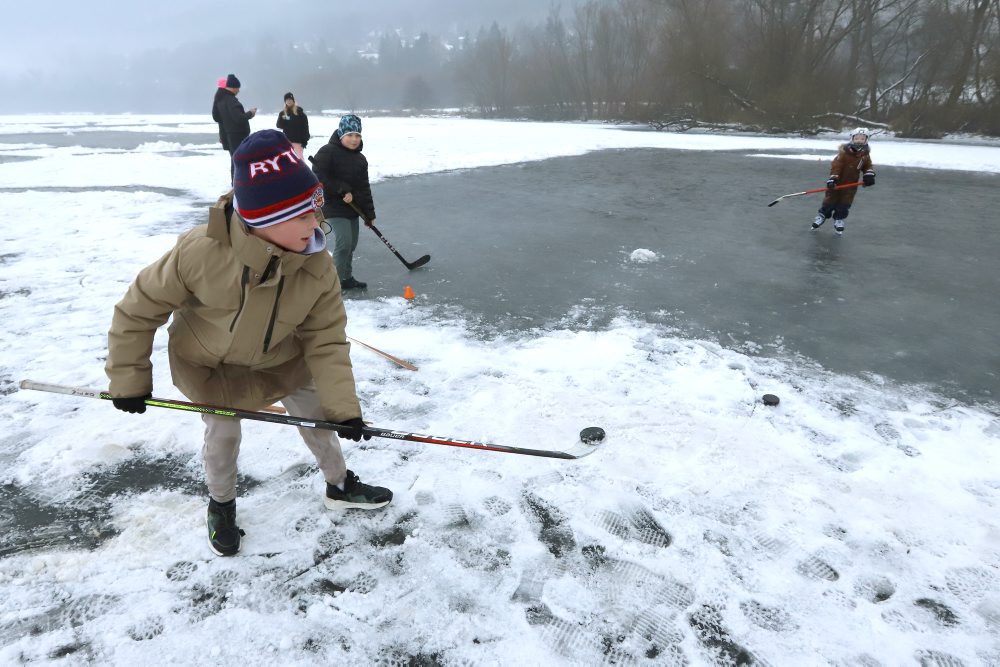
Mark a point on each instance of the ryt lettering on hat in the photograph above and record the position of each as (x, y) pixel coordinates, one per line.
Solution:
(262, 166)
(270, 183)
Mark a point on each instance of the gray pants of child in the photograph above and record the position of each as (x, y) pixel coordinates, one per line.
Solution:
(222, 445)
(345, 231)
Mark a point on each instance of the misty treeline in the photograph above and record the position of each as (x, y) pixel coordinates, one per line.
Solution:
(921, 68)
(918, 67)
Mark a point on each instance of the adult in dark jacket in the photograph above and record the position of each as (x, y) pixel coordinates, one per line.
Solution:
(219, 92)
(293, 122)
(343, 171)
(235, 120)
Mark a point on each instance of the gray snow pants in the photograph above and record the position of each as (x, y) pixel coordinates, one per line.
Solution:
(345, 231)
(222, 445)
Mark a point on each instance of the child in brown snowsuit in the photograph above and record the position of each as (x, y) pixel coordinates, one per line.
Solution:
(853, 162)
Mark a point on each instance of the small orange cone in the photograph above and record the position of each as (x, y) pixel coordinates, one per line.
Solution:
(408, 293)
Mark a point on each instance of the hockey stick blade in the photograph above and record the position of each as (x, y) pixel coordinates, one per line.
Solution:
(370, 225)
(418, 263)
(373, 431)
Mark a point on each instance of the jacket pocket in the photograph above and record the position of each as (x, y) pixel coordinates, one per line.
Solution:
(186, 343)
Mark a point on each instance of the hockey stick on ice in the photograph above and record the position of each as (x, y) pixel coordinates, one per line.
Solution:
(809, 192)
(409, 265)
(402, 362)
(583, 448)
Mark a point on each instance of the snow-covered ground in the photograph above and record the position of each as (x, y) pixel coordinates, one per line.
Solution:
(855, 523)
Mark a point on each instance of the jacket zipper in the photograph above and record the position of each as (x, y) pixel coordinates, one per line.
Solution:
(274, 315)
(271, 263)
(243, 288)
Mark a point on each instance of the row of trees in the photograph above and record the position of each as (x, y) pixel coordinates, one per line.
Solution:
(920, 67)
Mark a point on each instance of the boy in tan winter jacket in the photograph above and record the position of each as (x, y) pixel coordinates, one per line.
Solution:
(258, 317)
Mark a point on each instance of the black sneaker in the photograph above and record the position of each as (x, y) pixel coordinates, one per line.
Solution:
(223, 533)
(356, 494)
(351, 283)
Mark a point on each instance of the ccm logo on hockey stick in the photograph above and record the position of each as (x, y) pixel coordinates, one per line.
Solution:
(403, 435)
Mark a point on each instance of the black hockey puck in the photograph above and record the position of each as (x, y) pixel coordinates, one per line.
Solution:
(592, 435)
(771, 399)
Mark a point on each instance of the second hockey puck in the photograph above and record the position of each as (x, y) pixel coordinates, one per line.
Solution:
(592, 435)
(771, 399)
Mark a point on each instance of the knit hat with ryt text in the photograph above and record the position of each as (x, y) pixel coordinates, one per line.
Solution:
(271, 183)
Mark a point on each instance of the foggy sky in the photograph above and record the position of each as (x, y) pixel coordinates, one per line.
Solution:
(123, 55)
(53, 36)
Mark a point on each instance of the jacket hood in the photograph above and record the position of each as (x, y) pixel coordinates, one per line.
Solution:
(850, 149)
(226, 227)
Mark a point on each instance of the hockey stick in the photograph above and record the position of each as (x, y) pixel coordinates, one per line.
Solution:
(809, 192)
(374, 431)
(409, 265)
(402, 362)
(405, 364)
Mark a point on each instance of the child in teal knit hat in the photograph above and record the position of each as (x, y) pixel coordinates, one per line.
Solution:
(343, 171)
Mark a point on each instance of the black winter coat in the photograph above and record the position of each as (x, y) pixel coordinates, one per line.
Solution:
(219, 92)
(235, 120)
(295, 127)
(342, 170)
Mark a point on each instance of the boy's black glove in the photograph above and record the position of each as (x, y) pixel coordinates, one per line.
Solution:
(353, 429)
(831, 183)
(133, 404)
(868, 179)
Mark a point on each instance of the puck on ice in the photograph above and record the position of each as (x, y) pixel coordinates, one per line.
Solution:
(592, 435)
(771, 399)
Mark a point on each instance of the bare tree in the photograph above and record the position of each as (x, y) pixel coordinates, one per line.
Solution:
(790, 59)
(486, 70)
(973, 26)
(884, 27)
(694, 54)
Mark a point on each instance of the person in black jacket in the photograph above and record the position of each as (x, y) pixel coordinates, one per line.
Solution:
(343, 171)
(293, 122)
(219, 92)
(233, 118)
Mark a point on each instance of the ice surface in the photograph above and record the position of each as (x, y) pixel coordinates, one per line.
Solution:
(856, 523)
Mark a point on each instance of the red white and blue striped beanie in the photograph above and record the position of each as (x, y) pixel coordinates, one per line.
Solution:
(270, 183)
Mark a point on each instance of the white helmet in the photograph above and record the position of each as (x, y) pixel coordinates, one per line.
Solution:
(863, 131)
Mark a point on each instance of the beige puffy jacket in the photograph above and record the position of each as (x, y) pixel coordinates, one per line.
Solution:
(251, 322)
